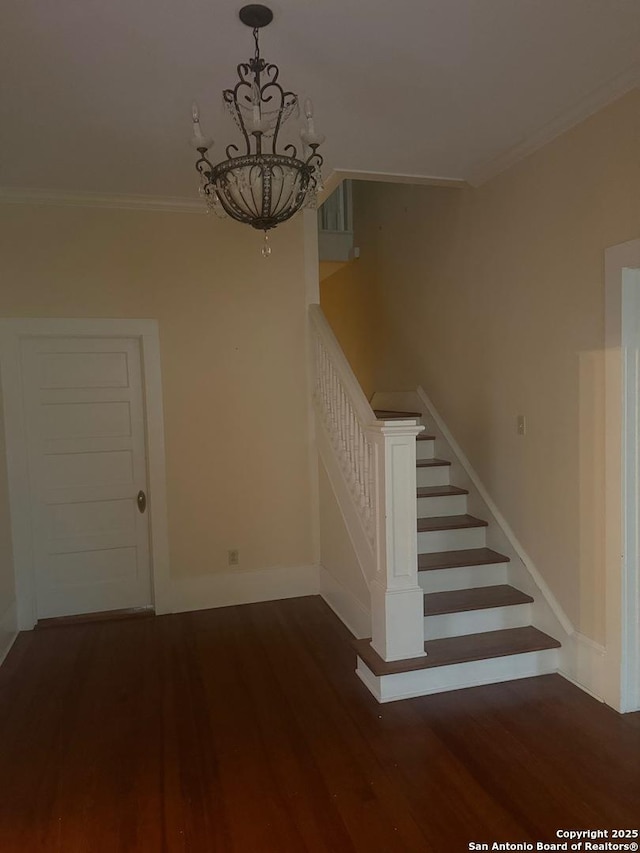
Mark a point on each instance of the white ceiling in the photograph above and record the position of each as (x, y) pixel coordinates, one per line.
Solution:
(96, 94)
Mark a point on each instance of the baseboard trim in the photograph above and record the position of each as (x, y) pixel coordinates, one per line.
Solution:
(350, 610)
(8, 630)
(225, 589)
(580, 686)
(584, 663)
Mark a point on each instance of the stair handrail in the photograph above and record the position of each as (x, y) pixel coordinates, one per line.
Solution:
(377, 460)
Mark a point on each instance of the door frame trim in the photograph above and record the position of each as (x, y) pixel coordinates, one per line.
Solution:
(12, 331)
(622, 474)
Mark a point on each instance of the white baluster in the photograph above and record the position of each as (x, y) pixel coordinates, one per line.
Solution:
(368, 480)
(352, 448)
(361, 495)
(343, 424)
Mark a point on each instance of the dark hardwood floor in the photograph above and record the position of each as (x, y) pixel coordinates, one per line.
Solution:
(245, 729)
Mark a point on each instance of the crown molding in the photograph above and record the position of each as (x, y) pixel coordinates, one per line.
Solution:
(16, 195)
(337, 176)
(590, 104)
(400, 178)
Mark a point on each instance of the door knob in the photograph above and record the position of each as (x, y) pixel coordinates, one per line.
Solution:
(141, 500)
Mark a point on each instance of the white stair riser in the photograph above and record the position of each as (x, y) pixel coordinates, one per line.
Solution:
(426, 449)
(405, 685)
(451, 540)
(476, 621)
(464, 577)
(436, 476)
(442, 505)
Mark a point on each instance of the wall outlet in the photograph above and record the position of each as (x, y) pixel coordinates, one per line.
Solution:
(234, 557)
(521, 425)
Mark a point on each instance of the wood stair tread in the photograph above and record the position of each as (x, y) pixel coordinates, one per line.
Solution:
(390, 415)
(440, 491)
(482, 598)
(425, 436)
(453, 650)
(431, 463)
(457, 559)
(449, 522)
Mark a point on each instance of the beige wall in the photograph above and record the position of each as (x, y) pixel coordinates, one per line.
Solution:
(493, 300)
(232, 330)
(347, 298)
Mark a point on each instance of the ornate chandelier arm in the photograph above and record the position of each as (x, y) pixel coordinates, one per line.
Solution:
(203, 165)
(314, 161)
(231, 99)
(287, 102)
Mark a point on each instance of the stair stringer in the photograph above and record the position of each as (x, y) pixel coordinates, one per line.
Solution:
(580, 660)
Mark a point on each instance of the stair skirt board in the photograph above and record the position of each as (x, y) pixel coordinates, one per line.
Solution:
(424, 682)
(476, 621)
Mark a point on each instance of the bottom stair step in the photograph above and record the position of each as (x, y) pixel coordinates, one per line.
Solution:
(457, 650)
(458, 662)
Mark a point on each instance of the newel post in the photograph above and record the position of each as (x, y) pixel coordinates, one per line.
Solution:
(397, 601)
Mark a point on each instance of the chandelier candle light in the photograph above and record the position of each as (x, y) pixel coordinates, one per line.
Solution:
(260, 186)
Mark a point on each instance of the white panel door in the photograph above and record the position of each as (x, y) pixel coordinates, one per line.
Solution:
(87, 464)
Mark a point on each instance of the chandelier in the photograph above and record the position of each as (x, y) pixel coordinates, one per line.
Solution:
(257, 183)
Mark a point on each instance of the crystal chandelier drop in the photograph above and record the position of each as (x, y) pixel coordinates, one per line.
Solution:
(260, 185)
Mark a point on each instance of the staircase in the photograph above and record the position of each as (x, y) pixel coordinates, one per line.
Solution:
(476, 626)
